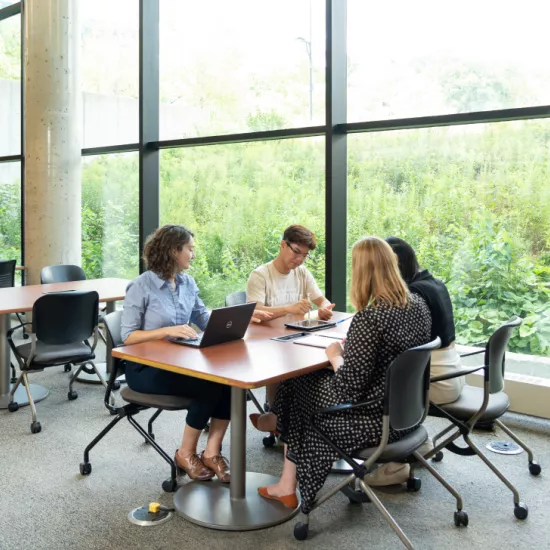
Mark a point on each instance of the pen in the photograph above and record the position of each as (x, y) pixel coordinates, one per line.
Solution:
(345, 319)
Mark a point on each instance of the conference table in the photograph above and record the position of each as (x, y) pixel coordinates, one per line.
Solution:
(21, 299)
(252, 362)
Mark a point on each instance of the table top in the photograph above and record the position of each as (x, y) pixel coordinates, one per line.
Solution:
(249, 363)
(21, 298)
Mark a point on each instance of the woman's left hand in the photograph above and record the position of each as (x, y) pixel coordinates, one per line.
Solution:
(334, 350)
(259, 315)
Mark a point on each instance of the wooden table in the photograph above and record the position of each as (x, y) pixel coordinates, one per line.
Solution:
(245, 364)
(20, 299)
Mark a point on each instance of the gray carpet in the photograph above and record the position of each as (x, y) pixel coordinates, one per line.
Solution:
(47, 504)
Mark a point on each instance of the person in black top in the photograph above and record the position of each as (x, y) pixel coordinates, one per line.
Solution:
(434, 292)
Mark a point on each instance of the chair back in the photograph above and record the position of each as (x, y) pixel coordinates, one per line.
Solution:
(61, 274)
(61, 318)
(407, 386)
(495, 352)
(7, 273)
(235, 299)
(113, 322)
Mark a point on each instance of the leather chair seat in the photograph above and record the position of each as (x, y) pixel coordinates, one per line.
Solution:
(398, 451)
(167, 402)
(57, 355)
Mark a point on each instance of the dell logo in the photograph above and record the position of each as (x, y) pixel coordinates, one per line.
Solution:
(229, 324)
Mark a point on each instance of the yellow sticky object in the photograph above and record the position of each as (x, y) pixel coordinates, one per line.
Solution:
(154, 507)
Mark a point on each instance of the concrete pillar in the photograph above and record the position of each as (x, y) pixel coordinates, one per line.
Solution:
(53, 135)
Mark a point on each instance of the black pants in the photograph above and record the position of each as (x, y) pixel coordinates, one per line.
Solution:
(210, 400)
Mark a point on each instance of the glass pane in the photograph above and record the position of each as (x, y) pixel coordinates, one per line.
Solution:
(110, 215)
(238, 199)
(10, 211)
(110, 71)
(253, 66)
(482, 56)
(474, 202)
(10, 86)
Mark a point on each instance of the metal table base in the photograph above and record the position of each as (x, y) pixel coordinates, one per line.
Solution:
(38, 393)
(236, 506)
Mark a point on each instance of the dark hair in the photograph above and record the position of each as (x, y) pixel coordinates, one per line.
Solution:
(158, 252)
(406, 258)
(300, 235)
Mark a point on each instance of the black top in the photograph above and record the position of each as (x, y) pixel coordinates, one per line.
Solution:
(437, 297)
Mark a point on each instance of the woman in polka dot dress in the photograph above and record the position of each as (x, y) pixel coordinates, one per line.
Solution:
(388, 321)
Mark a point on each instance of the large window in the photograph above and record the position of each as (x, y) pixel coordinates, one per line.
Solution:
(240, 66)
(110, 71)
(429, 57)
(238, 199)
(10, 86)
(110, 227)
(10, 211)
(474, 201)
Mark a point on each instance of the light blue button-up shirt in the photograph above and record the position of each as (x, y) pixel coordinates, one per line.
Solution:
(152, 303)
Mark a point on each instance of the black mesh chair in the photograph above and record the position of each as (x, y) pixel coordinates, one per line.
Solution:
(136, 403)
(405, 405)
(484, 405)
(62, 324)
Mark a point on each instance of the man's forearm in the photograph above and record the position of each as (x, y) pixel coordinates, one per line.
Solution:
(276, 311)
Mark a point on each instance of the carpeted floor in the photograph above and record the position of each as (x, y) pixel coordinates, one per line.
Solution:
(46, 504)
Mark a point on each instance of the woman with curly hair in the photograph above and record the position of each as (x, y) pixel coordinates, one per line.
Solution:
(161, 303)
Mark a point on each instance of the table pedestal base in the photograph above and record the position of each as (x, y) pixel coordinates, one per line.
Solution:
(38, 394)
(208, 504)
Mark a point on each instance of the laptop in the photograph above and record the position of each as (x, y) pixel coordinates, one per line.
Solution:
(225, 325)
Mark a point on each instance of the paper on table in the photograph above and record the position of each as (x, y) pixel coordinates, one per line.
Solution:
(318, 340)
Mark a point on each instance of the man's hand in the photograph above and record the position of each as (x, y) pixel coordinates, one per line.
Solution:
(325, 313)
(259, 315)
(300, 308)
(181, 331)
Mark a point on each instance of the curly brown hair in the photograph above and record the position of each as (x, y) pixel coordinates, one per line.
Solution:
(158, 252)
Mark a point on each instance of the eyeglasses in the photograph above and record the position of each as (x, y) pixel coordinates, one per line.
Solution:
(305, 255)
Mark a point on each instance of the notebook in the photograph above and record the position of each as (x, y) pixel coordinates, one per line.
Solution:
(318, 340)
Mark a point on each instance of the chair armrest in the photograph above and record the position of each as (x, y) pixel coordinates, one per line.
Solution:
(462, 372)
(473, 353)
(346, 406)
(12, 330)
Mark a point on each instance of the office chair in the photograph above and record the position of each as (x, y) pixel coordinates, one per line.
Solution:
(62, 324)
(405, 404)
(66, 274)
(136, 402)
(485, 404)
(7, 280)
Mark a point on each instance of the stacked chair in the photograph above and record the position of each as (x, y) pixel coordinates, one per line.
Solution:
(482, 405)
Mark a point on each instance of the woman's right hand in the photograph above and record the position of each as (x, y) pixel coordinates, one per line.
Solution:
(181, 331)
(300, 308)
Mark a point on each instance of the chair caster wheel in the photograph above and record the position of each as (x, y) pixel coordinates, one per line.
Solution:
(521, 511)
(36, 427)
(461, 518)
(116, 385)
(152, 436)
(13, 406)
(269, 441)
(68, 367)
(72, 395)
(414, 484)
(169, 485)
(534, 468)
(25, 335)
(85, 468)
(438, 457)
(301, 531)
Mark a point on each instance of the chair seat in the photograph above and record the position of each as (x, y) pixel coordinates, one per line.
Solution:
(46, 355)
(470, 401)
(395, 452)
(165, 402)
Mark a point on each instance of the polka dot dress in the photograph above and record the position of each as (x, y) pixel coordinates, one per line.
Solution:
(376, 336)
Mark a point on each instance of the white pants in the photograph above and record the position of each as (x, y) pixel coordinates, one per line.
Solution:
(445, 361)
